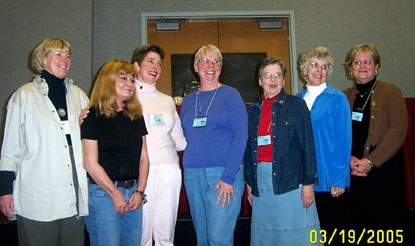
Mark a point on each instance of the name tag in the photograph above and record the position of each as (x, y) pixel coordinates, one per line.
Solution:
(264, 140)
(65, 126)
(357, 116)
(199, 122)
(155, 120)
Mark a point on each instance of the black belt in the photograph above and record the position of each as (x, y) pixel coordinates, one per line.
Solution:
(123, 184)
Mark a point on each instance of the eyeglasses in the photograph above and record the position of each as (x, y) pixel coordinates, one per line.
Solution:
(269, 75)
(206, 61)
(358, 63)
(316, 65)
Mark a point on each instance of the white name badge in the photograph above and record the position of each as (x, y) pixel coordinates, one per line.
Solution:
(199, 122)
(155, 120)
(357, 116)
(65, 126)
(264, 140)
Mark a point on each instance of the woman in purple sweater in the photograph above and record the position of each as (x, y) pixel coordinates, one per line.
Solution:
(214, 120)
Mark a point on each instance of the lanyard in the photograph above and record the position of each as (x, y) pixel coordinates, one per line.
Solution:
(211, 100)
(367, 99)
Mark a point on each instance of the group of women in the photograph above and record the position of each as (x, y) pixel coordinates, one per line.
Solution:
(295, 153)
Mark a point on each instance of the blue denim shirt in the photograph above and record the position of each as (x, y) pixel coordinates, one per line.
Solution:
(294, 157)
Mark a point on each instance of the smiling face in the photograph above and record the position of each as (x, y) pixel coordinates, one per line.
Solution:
(124, 87)
(57, 62)
(316, 71)
(271, 80)
(149, 70)
(209, 67)
(363, 67)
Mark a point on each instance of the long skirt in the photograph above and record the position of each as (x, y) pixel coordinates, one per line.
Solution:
(281, 219)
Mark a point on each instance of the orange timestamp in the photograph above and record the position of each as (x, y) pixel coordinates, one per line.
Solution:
(358, 237)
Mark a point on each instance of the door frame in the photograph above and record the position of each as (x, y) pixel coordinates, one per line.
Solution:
(233, 15)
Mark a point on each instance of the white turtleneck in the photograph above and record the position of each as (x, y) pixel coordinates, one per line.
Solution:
(312, 93)
(165, 135)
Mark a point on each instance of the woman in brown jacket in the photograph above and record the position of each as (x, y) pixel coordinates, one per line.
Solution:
(379, 126)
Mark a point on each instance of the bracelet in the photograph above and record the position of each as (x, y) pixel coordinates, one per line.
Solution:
(371, 163)
(141, 193)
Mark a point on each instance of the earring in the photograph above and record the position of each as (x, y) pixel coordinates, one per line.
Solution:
(351, 74)
(376, 72)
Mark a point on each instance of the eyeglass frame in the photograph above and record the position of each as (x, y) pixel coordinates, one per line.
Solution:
(207, 61)
(322, 66)
(365, 62)
(268, 75)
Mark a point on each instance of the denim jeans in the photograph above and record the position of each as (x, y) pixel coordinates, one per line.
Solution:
(105, 226)
(214, 224)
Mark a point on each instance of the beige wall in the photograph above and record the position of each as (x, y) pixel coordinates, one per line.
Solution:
(103, 29)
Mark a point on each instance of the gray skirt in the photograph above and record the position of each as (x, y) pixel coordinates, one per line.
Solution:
(281, 219)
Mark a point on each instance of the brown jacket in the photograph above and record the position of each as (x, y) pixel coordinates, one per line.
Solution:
(388, 121)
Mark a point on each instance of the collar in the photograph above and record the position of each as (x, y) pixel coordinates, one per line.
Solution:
(43, 85)
(280, 99)
(143, 88)
(316, 90)
(362, 88)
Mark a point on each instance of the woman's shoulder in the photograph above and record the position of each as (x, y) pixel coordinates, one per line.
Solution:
(229, 91)
(388, 90)
(386, 85)
(27, 90)
(164, 97)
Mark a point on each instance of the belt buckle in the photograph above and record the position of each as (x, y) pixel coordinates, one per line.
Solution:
(125, 184)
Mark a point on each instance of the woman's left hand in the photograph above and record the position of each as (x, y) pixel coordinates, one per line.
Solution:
(135, 202)
(225, 193)
(307, 195)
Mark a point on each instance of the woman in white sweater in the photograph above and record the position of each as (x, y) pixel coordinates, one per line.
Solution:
(164, 139)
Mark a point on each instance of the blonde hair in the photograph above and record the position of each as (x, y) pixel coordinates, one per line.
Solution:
(44, 48)
(320, 53)
(103, 96)
(205, 49)
(365, 48)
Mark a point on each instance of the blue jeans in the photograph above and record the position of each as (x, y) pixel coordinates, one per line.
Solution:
(214, 224)
(105, 226)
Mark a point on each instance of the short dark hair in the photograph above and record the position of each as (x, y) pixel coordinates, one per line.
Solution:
(141, 52)
(272, 61)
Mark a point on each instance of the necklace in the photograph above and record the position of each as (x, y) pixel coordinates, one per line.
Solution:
(367, 99)
(207, 100)
(201, 106)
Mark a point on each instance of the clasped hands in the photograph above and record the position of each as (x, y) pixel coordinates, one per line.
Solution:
(120, 203)
(359, 167)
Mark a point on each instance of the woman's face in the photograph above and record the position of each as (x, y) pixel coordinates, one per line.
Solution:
(57, 62)
(124, 87)
(363, 67)
(316, 72)
(271, 80)
(209, 67)
(149, 70)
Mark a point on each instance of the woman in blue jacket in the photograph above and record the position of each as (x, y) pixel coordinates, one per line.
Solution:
(280, 164)
(331, 122)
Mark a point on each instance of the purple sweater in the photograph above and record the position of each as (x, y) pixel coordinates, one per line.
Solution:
(221, 143)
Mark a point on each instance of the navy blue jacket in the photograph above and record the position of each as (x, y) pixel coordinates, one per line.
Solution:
(294, 157)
